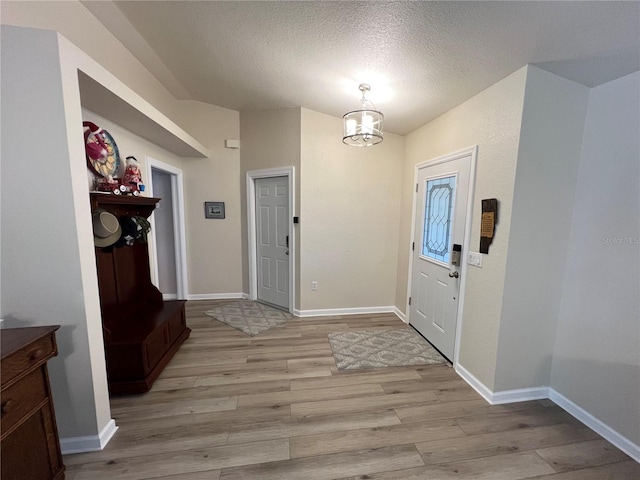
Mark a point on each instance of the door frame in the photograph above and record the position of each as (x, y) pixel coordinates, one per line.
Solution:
(251, 177)
(179, 227)
(469, 151)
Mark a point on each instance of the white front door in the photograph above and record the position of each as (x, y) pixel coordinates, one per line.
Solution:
(441, 211)
(272, 240)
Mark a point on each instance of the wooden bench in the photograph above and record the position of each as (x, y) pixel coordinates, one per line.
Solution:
(141, 331)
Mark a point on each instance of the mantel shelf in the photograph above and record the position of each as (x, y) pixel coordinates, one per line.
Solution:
(101, 198)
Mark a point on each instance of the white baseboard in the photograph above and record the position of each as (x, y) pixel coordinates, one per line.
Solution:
(601, 428)
(476, 384)
(519, 395)
(505, 396)
(399, 314)
(169, 296)
(342, 311)
(537, 393)
(216, 296)
(91, 443)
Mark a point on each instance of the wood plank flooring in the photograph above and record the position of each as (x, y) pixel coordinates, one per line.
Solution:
(231, 407)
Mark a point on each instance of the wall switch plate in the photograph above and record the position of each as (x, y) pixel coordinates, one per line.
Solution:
(475, 259)
(314, 286)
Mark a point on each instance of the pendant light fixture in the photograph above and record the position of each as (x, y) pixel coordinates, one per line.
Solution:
(363, 128)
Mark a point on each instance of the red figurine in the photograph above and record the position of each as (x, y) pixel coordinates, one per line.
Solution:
(132, 180)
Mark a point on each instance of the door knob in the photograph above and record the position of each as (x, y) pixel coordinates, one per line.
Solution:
(454, 274)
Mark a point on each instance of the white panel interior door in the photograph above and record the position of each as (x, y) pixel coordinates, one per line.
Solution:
(441, 210)
(272, 240)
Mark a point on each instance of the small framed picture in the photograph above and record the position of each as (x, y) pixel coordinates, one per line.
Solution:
(213, 209)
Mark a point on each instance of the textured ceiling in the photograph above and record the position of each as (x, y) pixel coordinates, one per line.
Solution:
(421, 58)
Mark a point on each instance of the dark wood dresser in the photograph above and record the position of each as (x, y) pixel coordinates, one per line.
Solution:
(141, 331)
(30, 448)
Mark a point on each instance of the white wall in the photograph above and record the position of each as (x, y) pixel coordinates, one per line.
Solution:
(490, 120)
(596, 361)
(548, 156)
(80, 27)
(269, 139)
(47, 243)
(214, 248)
(349, 217)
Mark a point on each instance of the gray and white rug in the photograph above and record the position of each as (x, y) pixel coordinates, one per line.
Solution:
(381, 348)
(249, 317)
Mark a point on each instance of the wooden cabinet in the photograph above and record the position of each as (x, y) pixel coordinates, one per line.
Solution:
(141, 331)
(30, 448)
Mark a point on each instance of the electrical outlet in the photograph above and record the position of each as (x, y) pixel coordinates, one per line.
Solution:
(314, 286)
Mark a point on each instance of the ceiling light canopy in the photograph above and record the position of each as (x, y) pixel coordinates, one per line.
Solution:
(363, 127)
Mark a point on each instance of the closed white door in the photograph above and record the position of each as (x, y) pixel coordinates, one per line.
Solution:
(272, 232)
(441, 210)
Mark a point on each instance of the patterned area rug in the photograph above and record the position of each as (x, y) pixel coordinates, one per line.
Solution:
(249, 317)
(381, 348)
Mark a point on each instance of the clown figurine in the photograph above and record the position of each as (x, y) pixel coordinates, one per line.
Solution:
(133, 176)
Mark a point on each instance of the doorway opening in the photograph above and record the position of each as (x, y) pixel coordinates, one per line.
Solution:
(167, 248)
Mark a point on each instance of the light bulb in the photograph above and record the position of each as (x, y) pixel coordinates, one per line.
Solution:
(351, 127)
(367, 124)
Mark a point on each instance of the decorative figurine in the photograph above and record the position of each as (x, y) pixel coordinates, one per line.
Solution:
(132, 180)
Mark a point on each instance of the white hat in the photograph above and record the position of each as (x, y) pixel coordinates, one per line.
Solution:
(106, 228)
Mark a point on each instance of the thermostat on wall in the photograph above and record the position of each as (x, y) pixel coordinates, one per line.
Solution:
(232, 143)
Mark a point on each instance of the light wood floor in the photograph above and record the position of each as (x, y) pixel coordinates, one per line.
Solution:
(231, 407)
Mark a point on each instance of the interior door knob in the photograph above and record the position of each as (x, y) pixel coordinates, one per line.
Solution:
(454, 274)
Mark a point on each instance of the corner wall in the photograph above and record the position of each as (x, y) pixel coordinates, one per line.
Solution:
(269, 139)
(348, 218)
(490, 120)
(213, 246)
(83, 29)
(546, 175)
(47, 242)
(596, 359)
